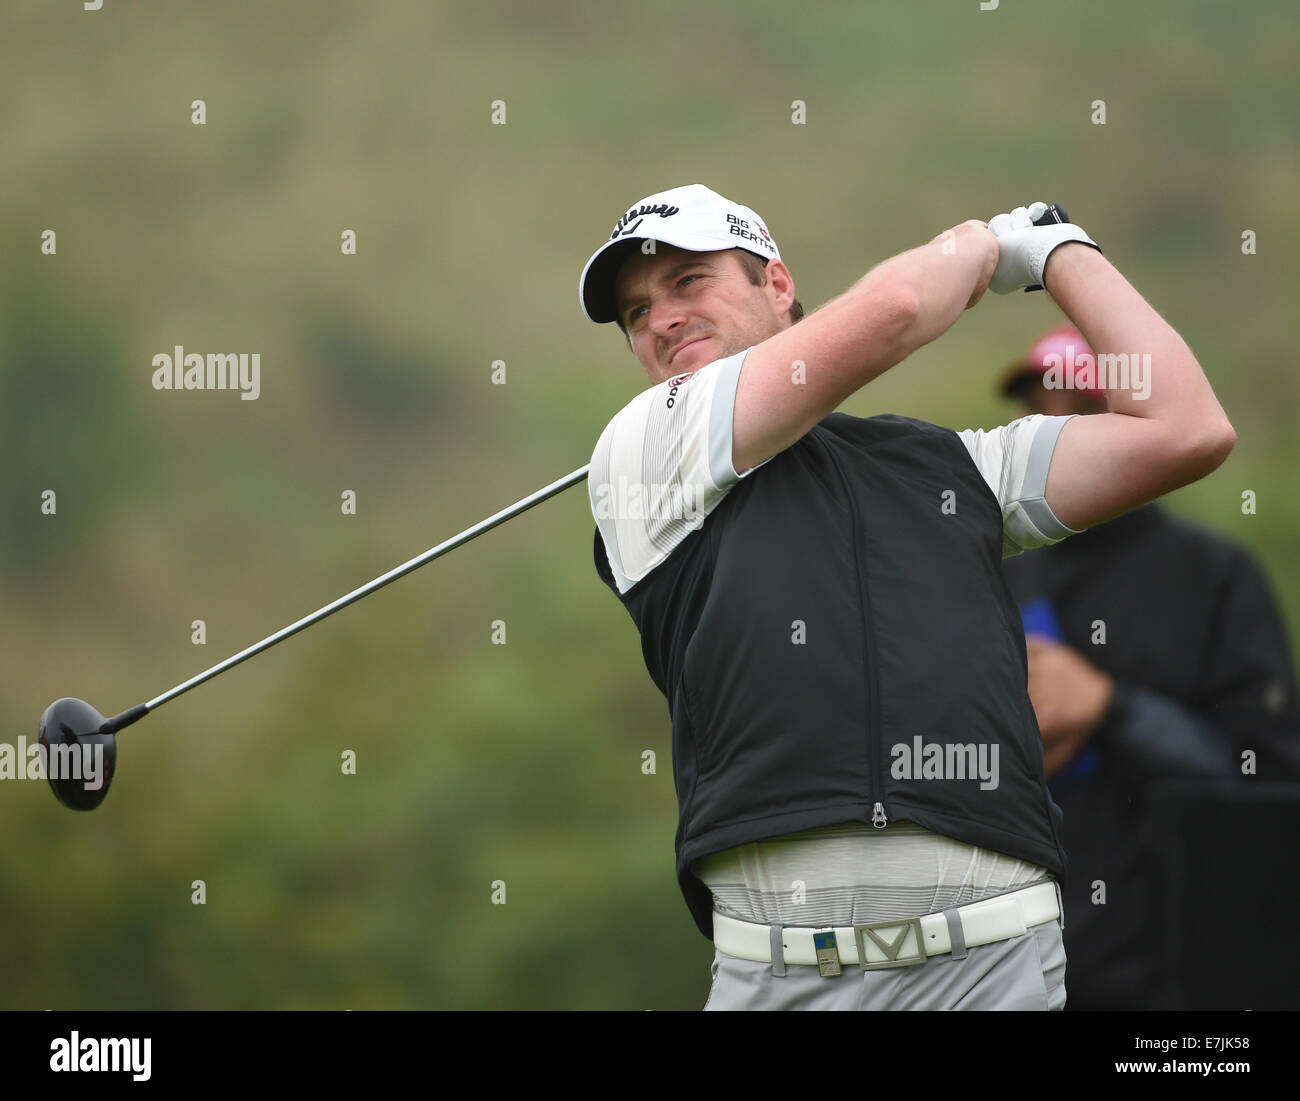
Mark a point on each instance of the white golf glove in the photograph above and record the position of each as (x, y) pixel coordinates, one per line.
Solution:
(1023, 248)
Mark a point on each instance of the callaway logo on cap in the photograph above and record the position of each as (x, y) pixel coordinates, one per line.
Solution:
(691, 217)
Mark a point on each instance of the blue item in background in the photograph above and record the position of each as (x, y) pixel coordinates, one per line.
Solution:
(1039, 618)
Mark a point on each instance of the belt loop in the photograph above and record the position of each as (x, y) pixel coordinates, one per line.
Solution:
(778, 951)
(955, 933)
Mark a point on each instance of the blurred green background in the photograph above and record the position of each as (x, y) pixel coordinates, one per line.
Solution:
(481, 762)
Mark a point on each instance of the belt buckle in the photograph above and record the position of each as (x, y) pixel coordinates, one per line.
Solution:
(891, 950)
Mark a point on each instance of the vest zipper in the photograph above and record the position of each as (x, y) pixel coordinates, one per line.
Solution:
(879, 818)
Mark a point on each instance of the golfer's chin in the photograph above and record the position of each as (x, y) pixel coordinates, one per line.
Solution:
(694, 356)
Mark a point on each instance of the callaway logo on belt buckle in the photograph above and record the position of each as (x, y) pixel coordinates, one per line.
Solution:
(877, 952)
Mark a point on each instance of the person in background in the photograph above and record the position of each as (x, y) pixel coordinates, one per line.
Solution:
(1156, 651)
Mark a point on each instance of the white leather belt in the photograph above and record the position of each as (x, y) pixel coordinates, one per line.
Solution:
(896, 943)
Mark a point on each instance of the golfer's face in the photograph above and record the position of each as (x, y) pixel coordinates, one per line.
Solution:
(684, 309)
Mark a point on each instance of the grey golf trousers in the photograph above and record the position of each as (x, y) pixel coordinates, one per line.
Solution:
(1025, 972)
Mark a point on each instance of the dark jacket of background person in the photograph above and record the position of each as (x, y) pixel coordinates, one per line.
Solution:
(1203, 672)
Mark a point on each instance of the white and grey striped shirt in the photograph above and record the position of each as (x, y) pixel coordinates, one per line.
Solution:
(852, 873)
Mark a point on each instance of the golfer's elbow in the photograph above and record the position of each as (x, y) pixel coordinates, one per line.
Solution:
(1222, 441)
(1206, 448)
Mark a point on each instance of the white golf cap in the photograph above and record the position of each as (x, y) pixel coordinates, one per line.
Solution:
(690, 217)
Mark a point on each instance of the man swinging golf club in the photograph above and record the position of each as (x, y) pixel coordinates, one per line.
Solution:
(863, 817)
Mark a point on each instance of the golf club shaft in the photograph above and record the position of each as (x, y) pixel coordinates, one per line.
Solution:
(126, 718)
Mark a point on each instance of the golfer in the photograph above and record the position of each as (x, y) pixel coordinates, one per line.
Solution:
(863, 817)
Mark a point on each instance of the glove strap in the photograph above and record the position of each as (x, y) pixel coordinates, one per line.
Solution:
(1055, 215)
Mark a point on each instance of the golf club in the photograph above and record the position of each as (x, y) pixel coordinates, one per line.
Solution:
(71, 728)
(71, 731)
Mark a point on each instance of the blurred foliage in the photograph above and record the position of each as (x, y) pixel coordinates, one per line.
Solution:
(478, 762)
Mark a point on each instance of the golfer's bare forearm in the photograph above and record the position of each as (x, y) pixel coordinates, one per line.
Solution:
(793, 379)
(1115, 319)
(936, 280)
(898, 306)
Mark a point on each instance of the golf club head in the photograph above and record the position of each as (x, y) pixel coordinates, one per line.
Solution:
(80, 779)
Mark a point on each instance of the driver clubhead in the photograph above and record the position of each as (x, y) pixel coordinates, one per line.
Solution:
(80, 779)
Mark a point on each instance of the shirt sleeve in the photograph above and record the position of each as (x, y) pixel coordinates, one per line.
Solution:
(662, 465)
(1014, 460)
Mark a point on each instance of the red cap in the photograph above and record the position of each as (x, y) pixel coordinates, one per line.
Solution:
(1062, 341)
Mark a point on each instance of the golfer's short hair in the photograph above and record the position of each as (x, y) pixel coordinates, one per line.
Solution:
(756, 268)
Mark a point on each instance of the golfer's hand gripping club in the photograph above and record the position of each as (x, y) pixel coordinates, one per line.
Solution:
(1026, 238)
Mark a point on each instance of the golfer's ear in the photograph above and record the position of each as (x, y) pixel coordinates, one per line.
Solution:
(782, 283)
(797, 377)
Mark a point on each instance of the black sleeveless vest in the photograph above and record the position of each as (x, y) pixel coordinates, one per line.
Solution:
(837, 644)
